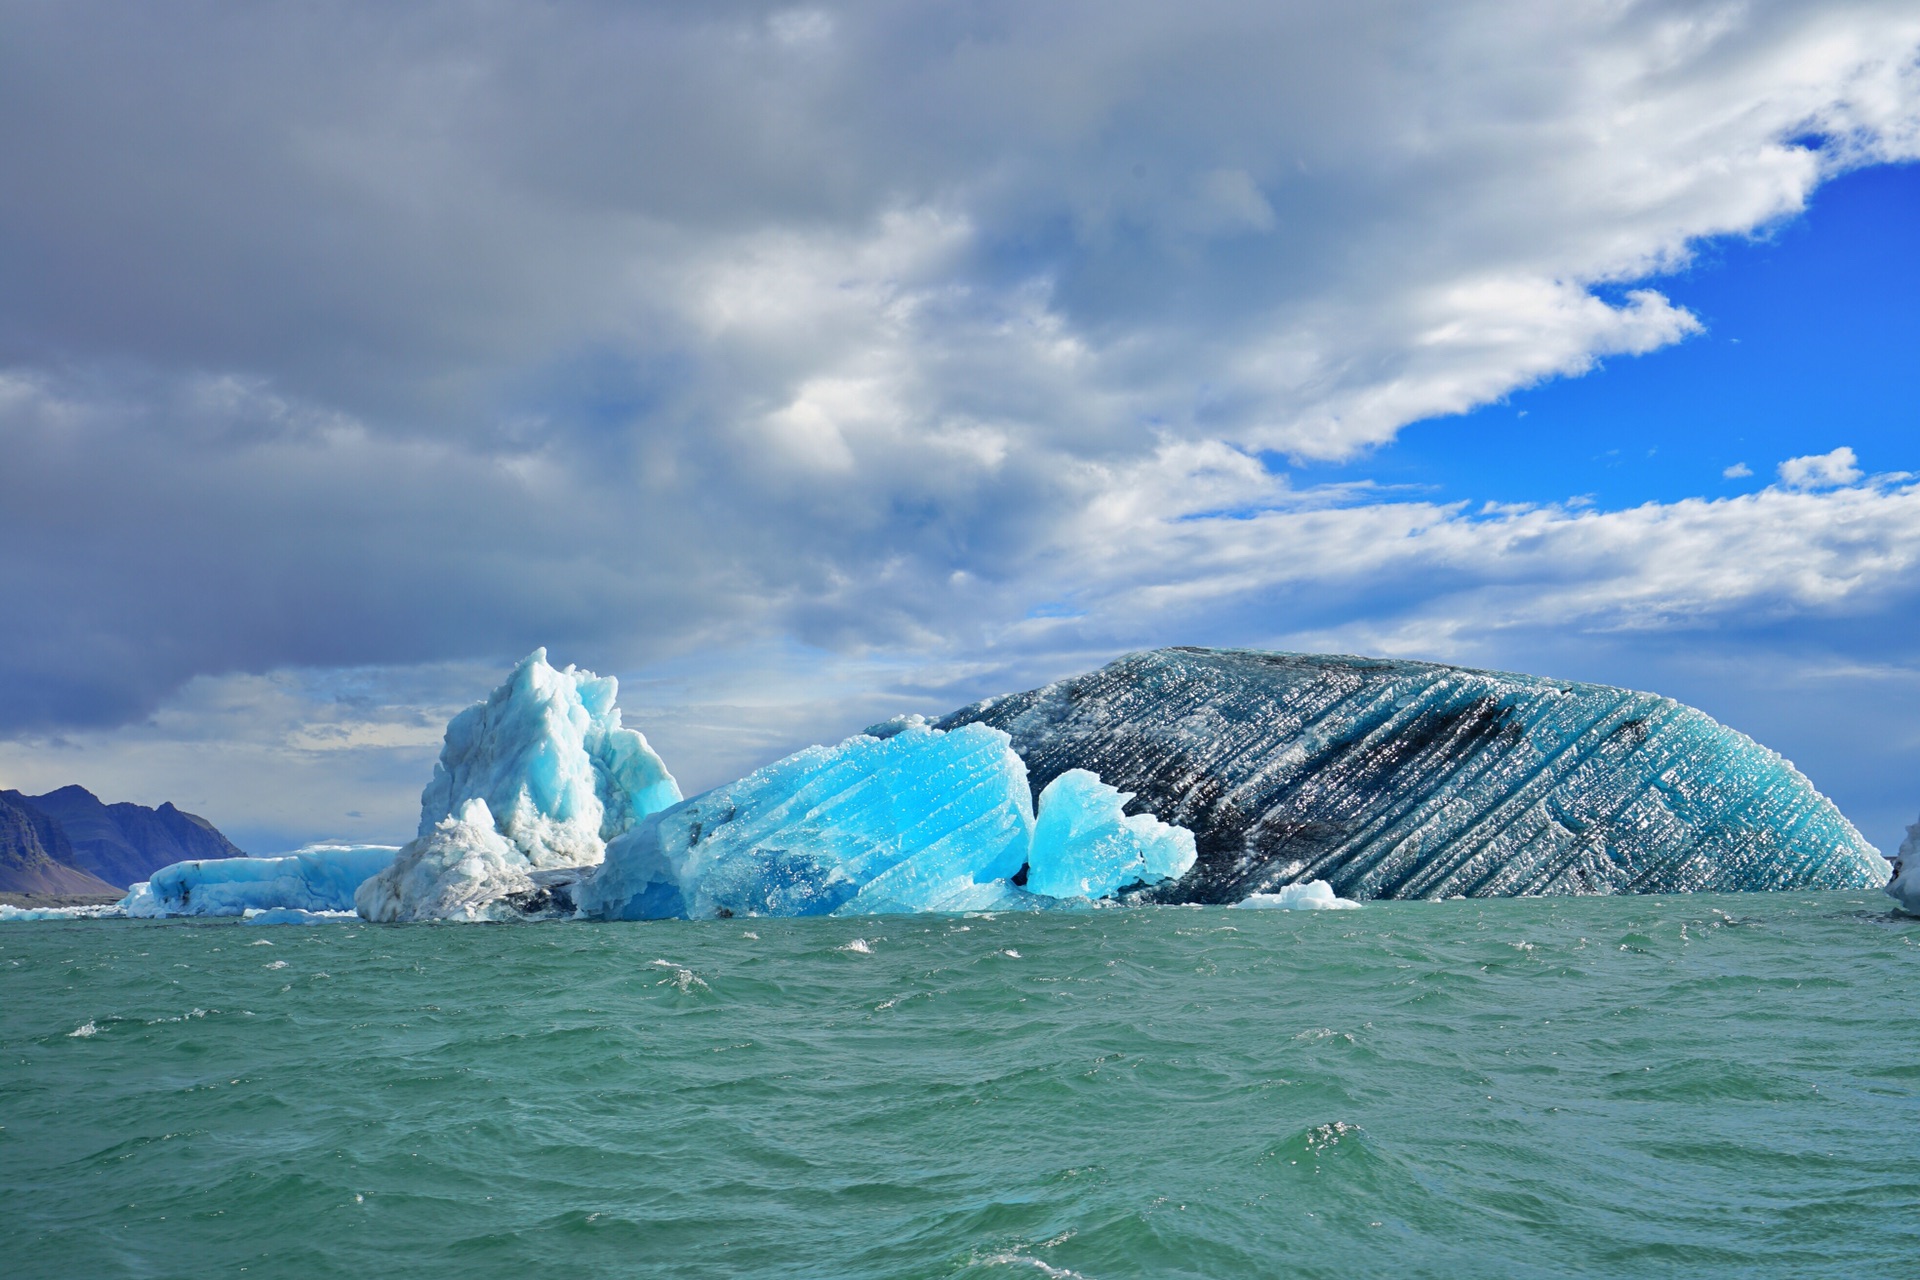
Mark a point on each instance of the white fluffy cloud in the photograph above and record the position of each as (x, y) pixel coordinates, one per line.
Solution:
(1821, 470)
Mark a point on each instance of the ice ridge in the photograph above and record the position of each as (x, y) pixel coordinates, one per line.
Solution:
(1393, 779)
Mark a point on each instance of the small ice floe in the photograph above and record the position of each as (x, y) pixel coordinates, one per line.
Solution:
(296, 915)
(859, 946)
(1315, 895)
(682, 978)
(84, 1030)
(58, 913)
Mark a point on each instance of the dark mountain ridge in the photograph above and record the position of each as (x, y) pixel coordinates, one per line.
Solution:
(34, 854)
(120, 844)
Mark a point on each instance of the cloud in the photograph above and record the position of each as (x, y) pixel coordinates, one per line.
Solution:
(1738, 471)
(1821, 471)
(340, 337)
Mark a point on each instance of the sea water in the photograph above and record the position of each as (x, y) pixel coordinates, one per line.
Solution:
(1703, 1085)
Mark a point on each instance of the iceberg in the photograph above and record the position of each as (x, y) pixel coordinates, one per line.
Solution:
(1315, 895)
(915, 821)
(1392, 779)
(1085, 845)
(1904, 885)
(559, 773)
(907, 819)
(317, 878)
(535, 779)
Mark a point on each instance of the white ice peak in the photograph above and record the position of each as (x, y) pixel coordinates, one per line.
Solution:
(559, 773)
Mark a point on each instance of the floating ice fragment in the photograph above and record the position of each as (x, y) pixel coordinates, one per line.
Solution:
(12, 913)
(1315, 895)
(1904, 885)
(1086, 846)
(316, 878)
(294, 915)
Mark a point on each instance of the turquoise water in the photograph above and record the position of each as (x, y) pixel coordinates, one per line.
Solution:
(1649, 1086)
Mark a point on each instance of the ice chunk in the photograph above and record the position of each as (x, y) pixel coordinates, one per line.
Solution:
(96, 912)
(559, 773)
(1904, 885)
(1314, 895)
(887, 728)
(317, 878)
(1085, 845)
(293, 915)
(1411, 780)
(463, 869)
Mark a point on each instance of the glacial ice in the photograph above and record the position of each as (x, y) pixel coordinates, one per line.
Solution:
(1315, 895)
(293, 915)
(536, 778)
(1086, 846)
(10, 913)
(1264, 780)
(1397, 779)
(463, 869)
(316, 878)
(558, 772)
(1904, 885)
(915, 820)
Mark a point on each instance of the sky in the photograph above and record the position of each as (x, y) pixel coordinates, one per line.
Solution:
(806, 365)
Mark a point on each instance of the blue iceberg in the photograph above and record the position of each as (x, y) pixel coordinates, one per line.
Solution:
(559, 773)
(316, 878)
(1085, 844)
(536, 779)
(915, 820)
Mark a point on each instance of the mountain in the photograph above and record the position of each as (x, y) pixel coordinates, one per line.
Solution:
(126, 843)
(1413, 780)
(34, 853)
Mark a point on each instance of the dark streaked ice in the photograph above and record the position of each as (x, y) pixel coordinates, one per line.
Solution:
(1395, 779)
